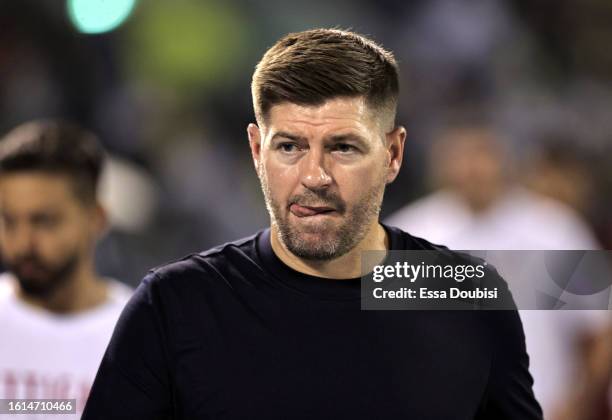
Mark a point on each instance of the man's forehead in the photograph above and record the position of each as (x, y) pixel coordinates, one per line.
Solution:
(352, 111)
(36, 185)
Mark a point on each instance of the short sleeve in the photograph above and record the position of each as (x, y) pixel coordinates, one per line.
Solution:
(509, 392)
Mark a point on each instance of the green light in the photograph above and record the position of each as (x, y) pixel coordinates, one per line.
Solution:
(97, 16)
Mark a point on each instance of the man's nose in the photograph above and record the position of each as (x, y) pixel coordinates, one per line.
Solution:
(24, 240)
(314, 172)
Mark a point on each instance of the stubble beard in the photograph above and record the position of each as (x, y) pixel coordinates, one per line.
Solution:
(325, 241)
(52, 279)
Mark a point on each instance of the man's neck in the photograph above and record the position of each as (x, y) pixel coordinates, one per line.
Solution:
(344, 267)
(83, 291)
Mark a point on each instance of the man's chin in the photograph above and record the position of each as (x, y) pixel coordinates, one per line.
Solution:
(42, 280)
(312, 251)
(313, 244)
(317, 238)
(35, 287)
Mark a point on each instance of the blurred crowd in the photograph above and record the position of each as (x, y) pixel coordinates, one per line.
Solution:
(507, 106)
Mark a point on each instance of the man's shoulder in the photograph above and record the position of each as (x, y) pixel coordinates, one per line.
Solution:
(210, 261)
(404, 241)
(118, 292)
(409, 242)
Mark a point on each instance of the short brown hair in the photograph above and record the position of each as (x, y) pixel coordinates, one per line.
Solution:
(311, 67)
(58, 147)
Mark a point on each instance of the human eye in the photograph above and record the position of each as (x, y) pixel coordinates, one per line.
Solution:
(7, 221)
(345, 148)
(287, 147)
(45, 221)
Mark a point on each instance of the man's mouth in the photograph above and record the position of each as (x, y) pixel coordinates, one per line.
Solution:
(309, 211)
(29, 270)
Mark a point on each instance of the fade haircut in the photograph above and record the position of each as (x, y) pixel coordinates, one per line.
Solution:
(57, 147)
(311, 67)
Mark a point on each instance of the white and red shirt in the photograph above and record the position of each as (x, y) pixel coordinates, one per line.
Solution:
(45, 355)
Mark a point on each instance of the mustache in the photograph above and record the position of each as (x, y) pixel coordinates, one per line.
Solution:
(321, 198)
(31, 259)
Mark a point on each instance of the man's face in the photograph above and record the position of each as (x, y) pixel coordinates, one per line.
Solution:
(45, 230)
(323, 171)
(471, 163)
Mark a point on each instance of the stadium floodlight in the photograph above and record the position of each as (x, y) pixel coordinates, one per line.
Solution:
(98, 16)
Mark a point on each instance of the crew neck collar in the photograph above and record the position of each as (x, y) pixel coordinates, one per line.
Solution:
(321, 287)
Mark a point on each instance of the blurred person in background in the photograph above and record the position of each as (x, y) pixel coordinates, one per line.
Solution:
(566, 172)
(563, 171)
(479, 205)
(569, 172)
(56, 313)
(592, 398)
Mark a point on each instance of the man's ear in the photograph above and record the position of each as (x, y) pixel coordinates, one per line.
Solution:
(100, 220)
(395, 150)
(255, 144)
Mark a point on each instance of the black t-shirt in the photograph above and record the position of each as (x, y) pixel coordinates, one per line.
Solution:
(234, 333)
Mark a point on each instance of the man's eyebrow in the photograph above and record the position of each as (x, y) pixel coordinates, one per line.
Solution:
(349, 137)
(285, 135)
(338, 138)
